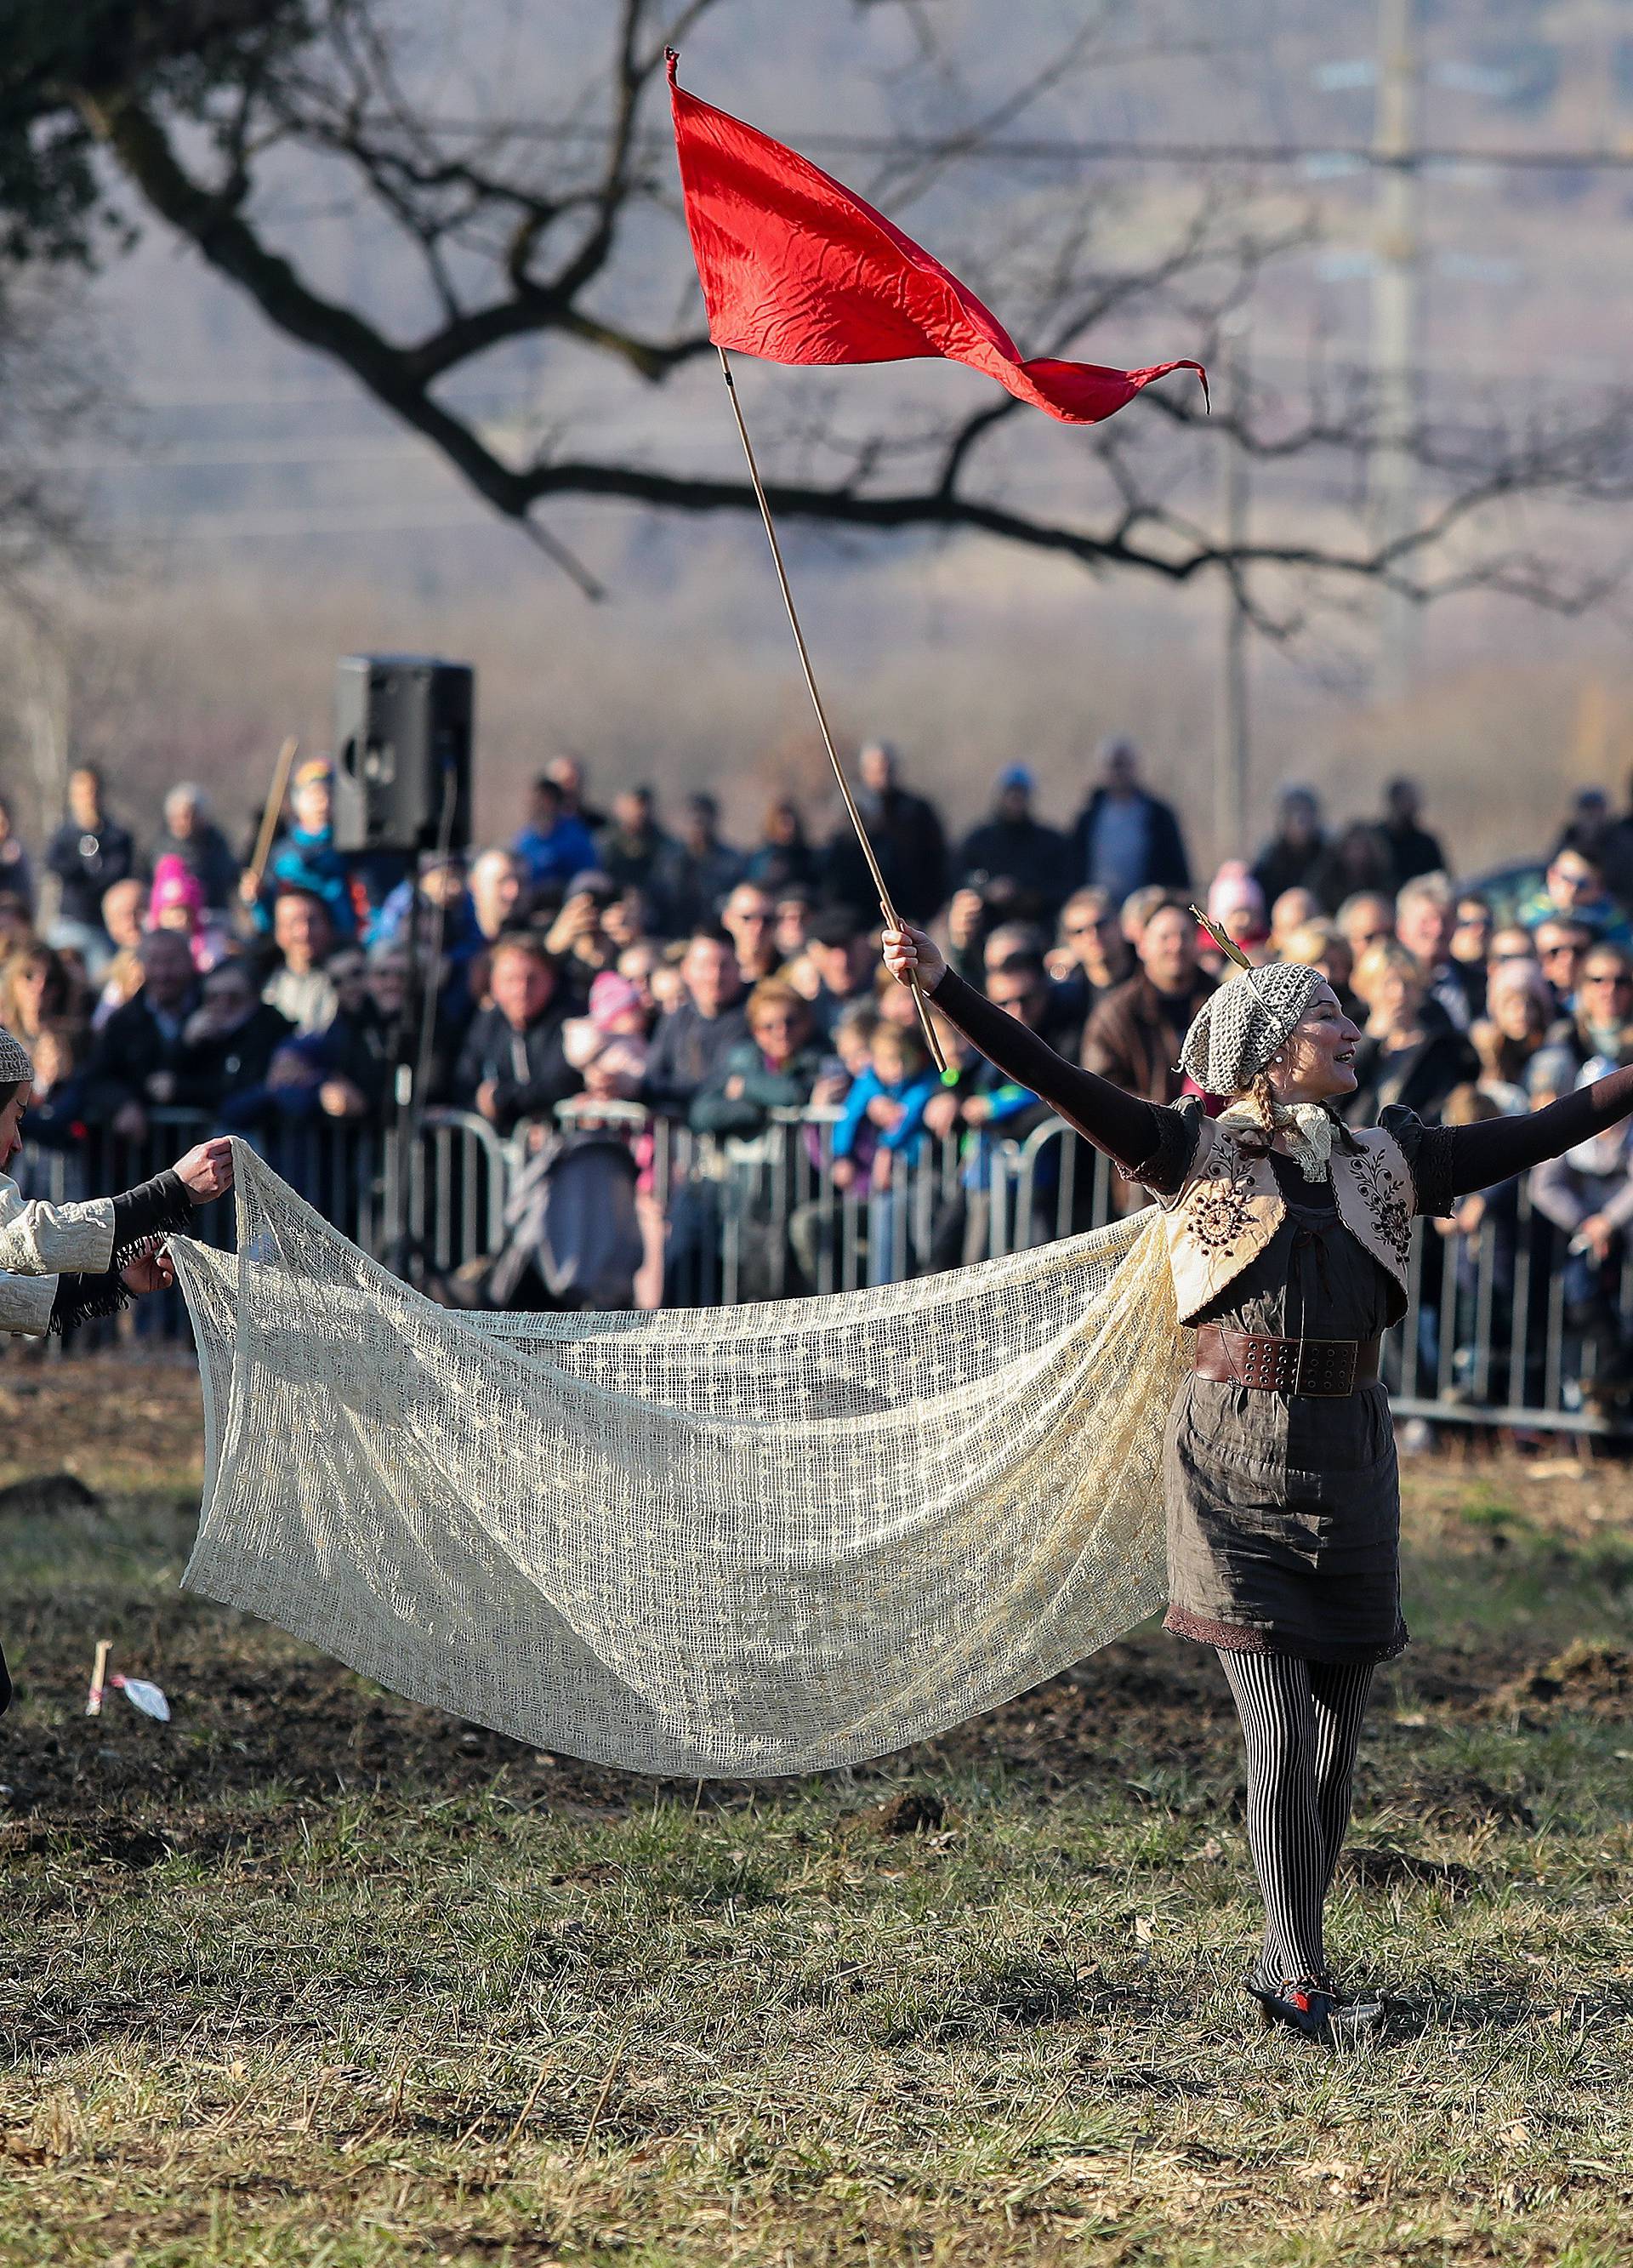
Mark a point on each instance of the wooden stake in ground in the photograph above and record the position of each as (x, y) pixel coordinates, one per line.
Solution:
(98, 1677)
(281, 772)
(892, 918)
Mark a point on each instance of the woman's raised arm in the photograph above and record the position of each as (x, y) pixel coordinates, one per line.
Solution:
(1479, 1157)
(1127, 1129)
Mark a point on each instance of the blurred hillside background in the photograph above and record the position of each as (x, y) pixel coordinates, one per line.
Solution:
(246, 513)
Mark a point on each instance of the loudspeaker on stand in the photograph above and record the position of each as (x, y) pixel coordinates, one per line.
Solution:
(403, 747)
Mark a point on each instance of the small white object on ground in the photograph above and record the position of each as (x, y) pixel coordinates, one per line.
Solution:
(148, 1698)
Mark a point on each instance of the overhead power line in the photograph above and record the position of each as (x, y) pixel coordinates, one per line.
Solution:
(1053, 150)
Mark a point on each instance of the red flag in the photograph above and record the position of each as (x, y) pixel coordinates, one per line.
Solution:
(795, 267)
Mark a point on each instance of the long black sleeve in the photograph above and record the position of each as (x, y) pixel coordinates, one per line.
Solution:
(1127, 1128)
(1469, 1157)
(153, 1208)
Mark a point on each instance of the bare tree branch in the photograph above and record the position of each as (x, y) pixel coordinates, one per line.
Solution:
(515, 239)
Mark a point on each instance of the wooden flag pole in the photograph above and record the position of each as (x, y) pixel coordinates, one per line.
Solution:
(892, 918)
(275, 804)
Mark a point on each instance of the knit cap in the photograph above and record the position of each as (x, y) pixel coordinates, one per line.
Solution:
(611, 996)
(16, 1063)
(1237, 1030)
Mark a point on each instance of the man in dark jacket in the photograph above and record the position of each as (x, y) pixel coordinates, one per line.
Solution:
(1127, 839)
(1134, 1035)
(1413, 850)
(638, 854)
(1296, 849)
(342, 1072)
(907, 838)
(692, 1041)
(143, 1045)
(513, 1065)
(703, 871)
(88, 854)
(229, 1043)
(1026, 860)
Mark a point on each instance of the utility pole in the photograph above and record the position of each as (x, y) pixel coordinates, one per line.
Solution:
(1230, 740)
(1391, 497)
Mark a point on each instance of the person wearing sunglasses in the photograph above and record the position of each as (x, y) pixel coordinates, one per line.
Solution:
(1560, 946)
(1600, 1026)
(1093, 956)
(1573, 889)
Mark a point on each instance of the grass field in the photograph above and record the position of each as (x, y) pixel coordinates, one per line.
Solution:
(311, 1976)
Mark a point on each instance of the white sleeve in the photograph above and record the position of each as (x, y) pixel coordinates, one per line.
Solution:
(37, 1239)
(25, 1304)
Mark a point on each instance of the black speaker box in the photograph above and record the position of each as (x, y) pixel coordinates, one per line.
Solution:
(403, 747)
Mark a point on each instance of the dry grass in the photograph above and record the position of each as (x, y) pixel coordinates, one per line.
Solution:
(312, 1976)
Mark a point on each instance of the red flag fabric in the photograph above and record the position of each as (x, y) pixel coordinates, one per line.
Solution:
(797, 269)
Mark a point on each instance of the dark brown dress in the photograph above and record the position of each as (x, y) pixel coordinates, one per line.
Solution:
(1284, 1510)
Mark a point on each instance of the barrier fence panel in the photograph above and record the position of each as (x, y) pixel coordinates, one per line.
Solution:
(1507, 1321)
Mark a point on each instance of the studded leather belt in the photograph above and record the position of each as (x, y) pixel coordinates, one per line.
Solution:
(1332, 1367)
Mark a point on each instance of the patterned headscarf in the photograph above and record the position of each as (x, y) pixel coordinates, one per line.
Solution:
(1237, 1031)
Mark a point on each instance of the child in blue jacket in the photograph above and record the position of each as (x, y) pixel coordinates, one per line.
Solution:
(881, 1133)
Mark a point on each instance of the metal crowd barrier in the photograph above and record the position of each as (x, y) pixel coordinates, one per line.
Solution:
(1504, 1327)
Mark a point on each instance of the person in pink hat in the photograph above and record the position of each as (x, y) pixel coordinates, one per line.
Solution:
(176, 901)
(609, 1045)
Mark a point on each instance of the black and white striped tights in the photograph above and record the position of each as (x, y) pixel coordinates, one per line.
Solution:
(1301, 1721)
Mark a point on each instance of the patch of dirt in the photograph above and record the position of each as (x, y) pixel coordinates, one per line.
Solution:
(1149, 1697)
(116, 1420)
(914, 1811)
(1593, 1679)
(311, 1726)
(46, 1496)
(1379, 1867)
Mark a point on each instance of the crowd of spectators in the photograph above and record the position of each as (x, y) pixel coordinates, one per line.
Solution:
(625, 957)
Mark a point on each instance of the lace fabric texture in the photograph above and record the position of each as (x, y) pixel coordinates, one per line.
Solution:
(742, 1541)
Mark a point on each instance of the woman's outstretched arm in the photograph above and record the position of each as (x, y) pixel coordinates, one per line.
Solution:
(1479, 1157)
(1127, 1129)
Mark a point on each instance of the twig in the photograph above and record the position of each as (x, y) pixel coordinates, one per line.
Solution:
(571, 2199)
(526, 2112)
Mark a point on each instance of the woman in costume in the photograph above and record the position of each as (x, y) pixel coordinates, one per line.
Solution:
(1288, 1236)
(62, 1265)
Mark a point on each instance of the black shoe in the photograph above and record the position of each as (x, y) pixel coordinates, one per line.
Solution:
(1305, 2008)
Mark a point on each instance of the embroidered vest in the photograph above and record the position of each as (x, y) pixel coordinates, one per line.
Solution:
(1231, 1207)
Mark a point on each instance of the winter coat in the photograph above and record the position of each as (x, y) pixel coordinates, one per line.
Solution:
(1034, 858)
(1134, 1035)
(88, 861)
(764, 1090)
(529, 1070)
(688, 1049)
(1166, 859)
